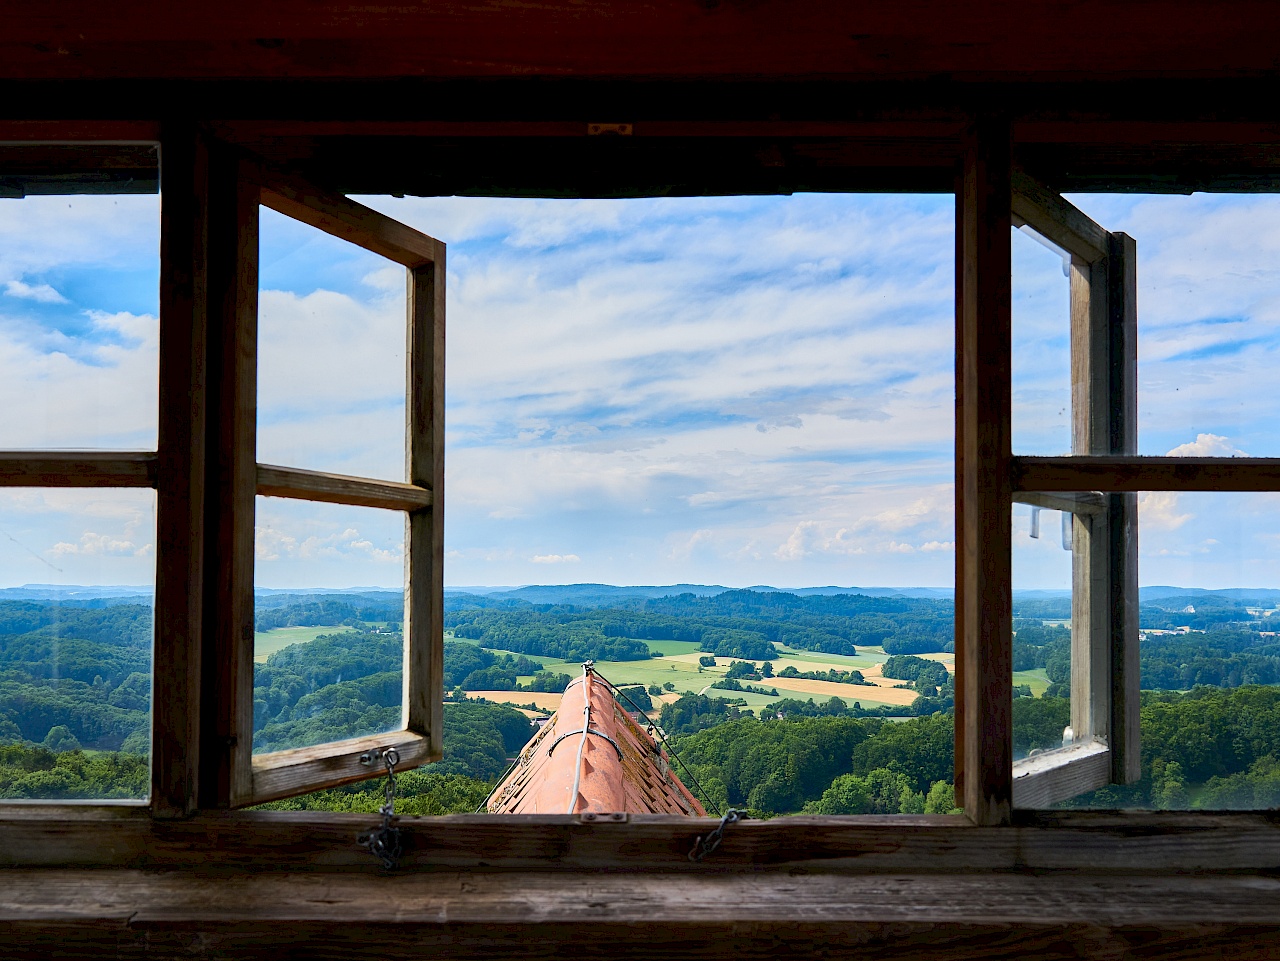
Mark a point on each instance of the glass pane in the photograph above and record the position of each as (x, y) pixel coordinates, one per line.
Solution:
(1209, 626)
(331, 342)
(1208, 324)
(1042, 561)
(79, 334)
(77, 588)
(1041, 329)
(328, 648)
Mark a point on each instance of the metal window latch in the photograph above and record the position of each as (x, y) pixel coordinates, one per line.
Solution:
(702, 846)
(384, 841)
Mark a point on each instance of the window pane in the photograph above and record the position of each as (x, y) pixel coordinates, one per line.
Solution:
(331, 342)
(328, 652)
(1041, 328)
(1209, 626)
(1208, 319)
(79, 302)
(78, 575)
(1042, 560)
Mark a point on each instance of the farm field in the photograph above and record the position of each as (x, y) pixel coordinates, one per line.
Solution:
(266, 643)
(679, 666)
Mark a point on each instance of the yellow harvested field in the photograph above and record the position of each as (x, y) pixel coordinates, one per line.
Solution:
(547, 702)
(882, 693)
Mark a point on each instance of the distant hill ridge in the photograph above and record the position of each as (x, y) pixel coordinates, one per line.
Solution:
(588, 594)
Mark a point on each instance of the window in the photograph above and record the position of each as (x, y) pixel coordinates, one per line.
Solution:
(1099, 527)
(206, 472)
(415, 495)
(79, 343)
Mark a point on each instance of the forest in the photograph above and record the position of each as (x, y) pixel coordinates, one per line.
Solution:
(75, 695)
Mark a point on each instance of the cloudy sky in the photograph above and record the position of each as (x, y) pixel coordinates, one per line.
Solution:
(737, 391)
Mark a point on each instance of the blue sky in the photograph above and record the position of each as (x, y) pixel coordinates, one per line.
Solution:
(736, 391)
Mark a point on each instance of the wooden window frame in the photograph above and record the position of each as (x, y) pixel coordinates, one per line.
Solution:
(1104, 556)
(208, 231)
(264, 777)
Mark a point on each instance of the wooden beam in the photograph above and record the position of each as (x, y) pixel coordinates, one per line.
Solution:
(180, 511)
(227, 722)
(1126, 727)
(600, 915)
(1090, 503)
(78, 469)
(353, 222)
(285, 773)
(424, 454)
(313, 485)
(984, 660)
(996, 39)
(1160, 842)
(1056, 219)
(1045, 779)
(1091, 417)
(1135, 473)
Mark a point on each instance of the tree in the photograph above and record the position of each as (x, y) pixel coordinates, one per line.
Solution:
(941, 799)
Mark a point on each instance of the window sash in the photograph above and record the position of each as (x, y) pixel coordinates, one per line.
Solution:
(248, 778)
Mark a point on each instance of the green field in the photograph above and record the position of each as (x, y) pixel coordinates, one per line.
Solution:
(268, 642)
(1038, 680)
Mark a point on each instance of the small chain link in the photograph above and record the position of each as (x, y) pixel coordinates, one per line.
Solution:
(384, 841)
(703, 846)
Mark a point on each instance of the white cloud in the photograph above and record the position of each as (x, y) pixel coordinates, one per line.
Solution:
(1207, 445)
(800, 543)
(107, 544)
(1159, 511)
(41, 293)
(555, 558)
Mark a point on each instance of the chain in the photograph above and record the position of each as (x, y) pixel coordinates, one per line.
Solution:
(703, 846)
(384, 842)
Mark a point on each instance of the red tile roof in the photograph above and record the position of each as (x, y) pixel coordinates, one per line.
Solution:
(592, 757)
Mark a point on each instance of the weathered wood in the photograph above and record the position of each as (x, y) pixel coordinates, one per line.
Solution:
(1126, 728)
(424, 454)
(180, 520)
(1057, 220)
(78, 469)
(350, 221)
(1142, 473)
(49, 835)
(1088, 503)
(960, 735)
(285, 773)
(1045, 779)
(227, 735)
(313, 485)
(912, 42)
(1090, 419)
(984, 658)
(705, 915)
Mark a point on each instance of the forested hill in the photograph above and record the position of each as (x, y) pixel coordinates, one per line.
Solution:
(739, 623)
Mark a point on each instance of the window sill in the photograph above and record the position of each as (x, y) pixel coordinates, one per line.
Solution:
(129, 913)
(62, 836)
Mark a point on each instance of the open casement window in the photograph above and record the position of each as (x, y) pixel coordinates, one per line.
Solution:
(415, 496)
(1102, 536)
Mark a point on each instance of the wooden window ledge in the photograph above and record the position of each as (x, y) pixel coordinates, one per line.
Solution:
(122, 913)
